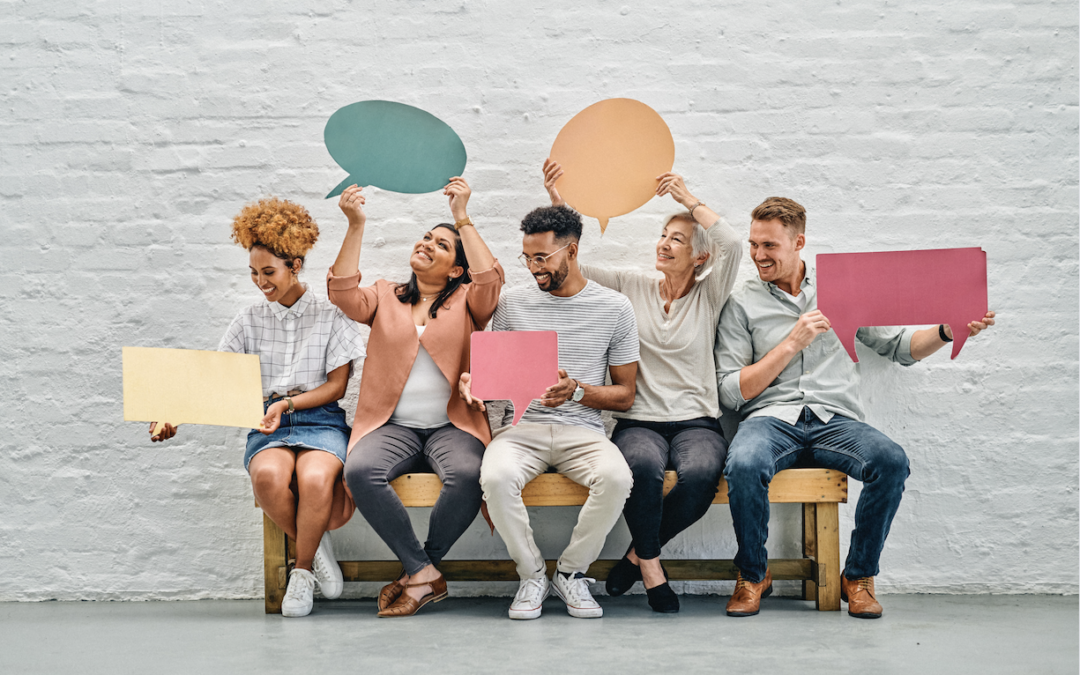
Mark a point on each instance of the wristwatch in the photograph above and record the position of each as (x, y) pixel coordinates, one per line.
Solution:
(458, 224)
(579, 393)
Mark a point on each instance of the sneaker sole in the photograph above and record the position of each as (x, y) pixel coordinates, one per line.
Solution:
(294, 615)
(526, 614)
(578, 612)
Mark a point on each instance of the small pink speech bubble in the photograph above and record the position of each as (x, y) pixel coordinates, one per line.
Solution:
(514, 365)
(901, 288)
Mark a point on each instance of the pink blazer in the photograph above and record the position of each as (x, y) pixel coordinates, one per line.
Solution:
(393, 344)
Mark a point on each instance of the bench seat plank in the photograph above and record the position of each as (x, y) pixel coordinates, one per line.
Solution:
(793, 486)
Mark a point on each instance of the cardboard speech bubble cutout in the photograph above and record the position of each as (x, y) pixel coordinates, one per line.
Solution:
(900, 288)
(187, 386)
(611, 154)
(393, 146)
(514, 365)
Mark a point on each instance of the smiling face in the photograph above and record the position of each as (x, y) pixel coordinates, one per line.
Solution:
(271, 274)
(775, 252)
(551, 275)
(434, 257)
(675, 250)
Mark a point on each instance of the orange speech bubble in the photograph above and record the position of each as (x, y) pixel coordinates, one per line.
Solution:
(611, 154)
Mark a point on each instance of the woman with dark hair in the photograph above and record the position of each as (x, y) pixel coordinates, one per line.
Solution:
(408, 417)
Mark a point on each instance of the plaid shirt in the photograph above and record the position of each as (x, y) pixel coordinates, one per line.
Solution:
(298, 345)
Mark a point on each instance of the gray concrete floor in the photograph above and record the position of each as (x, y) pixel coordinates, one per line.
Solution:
(1025, 635)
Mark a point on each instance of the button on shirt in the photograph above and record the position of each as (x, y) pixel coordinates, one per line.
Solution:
(757, 318)
(298, 345)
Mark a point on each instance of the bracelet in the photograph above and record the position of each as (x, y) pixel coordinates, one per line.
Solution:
(700, 203)
(941, 333)
(458, 224)
(291, 409)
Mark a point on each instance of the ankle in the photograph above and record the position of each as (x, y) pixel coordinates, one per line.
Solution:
(427, 574)
(631, 555)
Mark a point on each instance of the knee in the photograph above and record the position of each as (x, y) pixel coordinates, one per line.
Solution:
(267, 479)
(498, 479)
(361, 471)
(615, 480)
(747, 466)
(891, 464)
(316, 482)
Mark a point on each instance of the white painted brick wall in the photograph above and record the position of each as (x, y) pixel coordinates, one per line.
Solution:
(131, 132)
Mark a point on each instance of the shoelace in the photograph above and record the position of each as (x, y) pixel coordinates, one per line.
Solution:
(294, 591)
(741, 583)
(319, 564)
(530, 591)
(867, 584)
(578, 588)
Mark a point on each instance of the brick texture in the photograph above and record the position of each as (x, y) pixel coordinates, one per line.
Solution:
(131, 133)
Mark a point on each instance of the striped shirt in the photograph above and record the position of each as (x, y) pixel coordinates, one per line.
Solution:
(297, 346)
(596, 330)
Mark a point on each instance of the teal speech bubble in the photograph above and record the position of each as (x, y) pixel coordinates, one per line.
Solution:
(393, 146)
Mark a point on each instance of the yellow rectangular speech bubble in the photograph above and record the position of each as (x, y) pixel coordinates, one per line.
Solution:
(188, 386)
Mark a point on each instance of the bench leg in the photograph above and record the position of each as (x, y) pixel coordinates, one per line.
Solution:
(827, 536)
(274, 564)
(809, 534)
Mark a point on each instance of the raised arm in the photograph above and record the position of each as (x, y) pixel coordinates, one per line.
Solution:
(348, 259)
(476, 251)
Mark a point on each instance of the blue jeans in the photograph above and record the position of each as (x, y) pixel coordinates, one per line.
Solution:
(765, 445)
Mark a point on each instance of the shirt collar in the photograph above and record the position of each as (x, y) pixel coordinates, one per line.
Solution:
(296, 311)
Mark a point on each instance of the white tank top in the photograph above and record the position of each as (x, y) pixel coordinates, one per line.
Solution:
(423, 401)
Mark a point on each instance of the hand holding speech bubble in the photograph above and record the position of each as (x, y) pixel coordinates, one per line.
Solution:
(514, 365)
(393, 146)
(187, 386)
(611, 154)
(900, 288)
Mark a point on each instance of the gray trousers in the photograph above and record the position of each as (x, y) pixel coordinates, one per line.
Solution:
(390, 451)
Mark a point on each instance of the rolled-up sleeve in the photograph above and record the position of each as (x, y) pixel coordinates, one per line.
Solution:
(892, 343)
(359, 304)
(734, 350)
(483, 294)
(725, 251)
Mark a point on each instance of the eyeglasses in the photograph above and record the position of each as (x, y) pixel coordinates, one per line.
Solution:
(538, 260)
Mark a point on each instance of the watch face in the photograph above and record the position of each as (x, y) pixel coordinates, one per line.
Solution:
(579, 394)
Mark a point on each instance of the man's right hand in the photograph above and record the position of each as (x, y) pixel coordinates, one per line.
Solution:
(809, 326)
(465, 390)
(552, 172)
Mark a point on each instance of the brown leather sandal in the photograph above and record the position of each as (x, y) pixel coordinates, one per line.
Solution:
(391, 591)
(405, 605)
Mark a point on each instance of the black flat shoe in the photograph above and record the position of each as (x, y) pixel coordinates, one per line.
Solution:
(663, 599)
(622, 577)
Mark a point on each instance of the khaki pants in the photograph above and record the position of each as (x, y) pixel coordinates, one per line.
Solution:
(518, 454)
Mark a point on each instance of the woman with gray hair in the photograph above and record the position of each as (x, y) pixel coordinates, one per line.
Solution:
(673, 421)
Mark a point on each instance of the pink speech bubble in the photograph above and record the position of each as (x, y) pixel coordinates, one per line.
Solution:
(901, 288)
(514, 365)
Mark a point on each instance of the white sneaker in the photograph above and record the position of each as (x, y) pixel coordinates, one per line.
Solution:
(574, 591)
(326, 569)
(529, 601)
(299, 596)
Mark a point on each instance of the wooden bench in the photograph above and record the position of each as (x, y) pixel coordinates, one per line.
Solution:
(820, 491)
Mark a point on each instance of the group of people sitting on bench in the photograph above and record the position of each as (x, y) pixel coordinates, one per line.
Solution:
(673, 348)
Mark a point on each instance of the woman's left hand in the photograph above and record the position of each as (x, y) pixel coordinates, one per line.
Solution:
(458, 191)
(672, 184)
(272, 420)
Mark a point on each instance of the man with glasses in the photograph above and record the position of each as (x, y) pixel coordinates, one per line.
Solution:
(597, 337)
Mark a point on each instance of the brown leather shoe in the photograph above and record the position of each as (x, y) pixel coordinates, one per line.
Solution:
(746, 600)
(859, 595)
(405, 605)
(391, 592)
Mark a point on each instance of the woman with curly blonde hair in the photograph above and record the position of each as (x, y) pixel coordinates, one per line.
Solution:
(306, 349)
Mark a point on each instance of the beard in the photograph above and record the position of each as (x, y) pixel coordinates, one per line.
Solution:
(555, 278)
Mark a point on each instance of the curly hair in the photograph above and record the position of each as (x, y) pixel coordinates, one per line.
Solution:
(562, 220)
(278, 225)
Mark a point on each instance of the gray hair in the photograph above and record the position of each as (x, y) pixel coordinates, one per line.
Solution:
(698, 242)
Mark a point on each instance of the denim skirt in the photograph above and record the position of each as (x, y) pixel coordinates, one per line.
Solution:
(322, 428)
